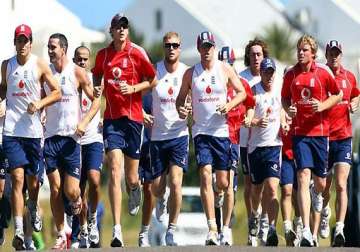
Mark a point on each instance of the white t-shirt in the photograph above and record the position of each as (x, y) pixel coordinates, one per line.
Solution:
(93, 131)
(209, 91)
(252, 80)
(267, 103)
(63, 117)
(23, 87)
(167, 124)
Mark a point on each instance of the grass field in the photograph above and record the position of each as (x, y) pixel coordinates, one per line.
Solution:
(130, 225)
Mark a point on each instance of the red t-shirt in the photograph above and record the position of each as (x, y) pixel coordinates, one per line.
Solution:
(236, 116)
(287, 145)
(299, 87)
(131, 65)
(339, 115)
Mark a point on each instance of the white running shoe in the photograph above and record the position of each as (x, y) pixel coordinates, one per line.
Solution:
(84, 240)
(226, 237)
(29, 245)
(35, 217)
(339, 237)
(169, 239)
(316, 199)
(144, 239)
(324, 222)
(212, 238)
(306, 238)
(117, 238)
(161, 207)
(252, 241)
(60, 243)
(94, 238)
(134, 200)
(263, 230)
(18, 240)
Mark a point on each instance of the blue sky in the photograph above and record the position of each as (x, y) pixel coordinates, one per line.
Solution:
(97, 14)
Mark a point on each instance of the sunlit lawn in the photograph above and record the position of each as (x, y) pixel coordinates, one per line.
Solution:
(130, 225)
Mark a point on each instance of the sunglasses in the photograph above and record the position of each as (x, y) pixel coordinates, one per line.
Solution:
(173, 45)
(121, 25)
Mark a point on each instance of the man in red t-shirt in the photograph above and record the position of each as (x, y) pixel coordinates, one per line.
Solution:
(305, 97)
(340, 148)
(127, 71)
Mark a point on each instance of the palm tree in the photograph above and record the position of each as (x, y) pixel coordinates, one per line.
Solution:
(280, 41)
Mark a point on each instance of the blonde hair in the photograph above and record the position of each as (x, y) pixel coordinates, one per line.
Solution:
(171, 34)
(308, 39)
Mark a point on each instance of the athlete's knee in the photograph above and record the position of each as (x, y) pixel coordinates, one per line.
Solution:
(72, 192)
(17, 179)
(222, 183)
(286, 191)
(303, 177)
(132, 181)
(341, 186)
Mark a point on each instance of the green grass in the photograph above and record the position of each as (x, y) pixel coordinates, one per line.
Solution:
(131, 225)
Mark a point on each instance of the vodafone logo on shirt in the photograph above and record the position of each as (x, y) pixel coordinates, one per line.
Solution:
(21, 85)
(305, 94)
(116, 72)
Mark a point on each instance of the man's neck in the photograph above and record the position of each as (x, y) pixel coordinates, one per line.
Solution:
(119, 45)
(61, 64)
(171, 66)
(254, 71)
(207, 65)
(306, 67)
(336, 70)
(21, 60)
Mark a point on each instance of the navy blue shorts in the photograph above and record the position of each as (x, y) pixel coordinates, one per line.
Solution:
(288, 172)
(311, 152)
(123, 134)
(24, 152)
(214, 151)
(91, 158)
(265, 162)
(234, 157)
(63, 153)
(4, 163)
(145, 172)
(340, 152)
(166, 152)
(244, 160)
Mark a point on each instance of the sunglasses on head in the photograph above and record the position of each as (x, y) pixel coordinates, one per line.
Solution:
(173, 45)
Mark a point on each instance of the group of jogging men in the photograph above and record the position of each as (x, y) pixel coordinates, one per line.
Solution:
(296, 133)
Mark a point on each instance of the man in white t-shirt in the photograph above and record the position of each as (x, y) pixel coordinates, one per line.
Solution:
(22, 79)
(208, 81)
(264, 151)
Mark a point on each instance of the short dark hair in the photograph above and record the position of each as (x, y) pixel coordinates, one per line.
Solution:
(62, 40)
(252, 43)
(81, 47)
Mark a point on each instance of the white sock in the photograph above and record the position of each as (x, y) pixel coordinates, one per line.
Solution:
(212, 225)
(117, 227)
(83, 228)
(62, 234)
(19, 223)
(339, 225)
(287, 225)
(144, 228)
(171, 228)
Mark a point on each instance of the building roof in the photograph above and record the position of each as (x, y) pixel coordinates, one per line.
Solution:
(221, 17)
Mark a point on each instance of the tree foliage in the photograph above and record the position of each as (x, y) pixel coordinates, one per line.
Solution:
(280, 41)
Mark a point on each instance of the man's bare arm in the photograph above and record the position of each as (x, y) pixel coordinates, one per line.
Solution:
(3, 84)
